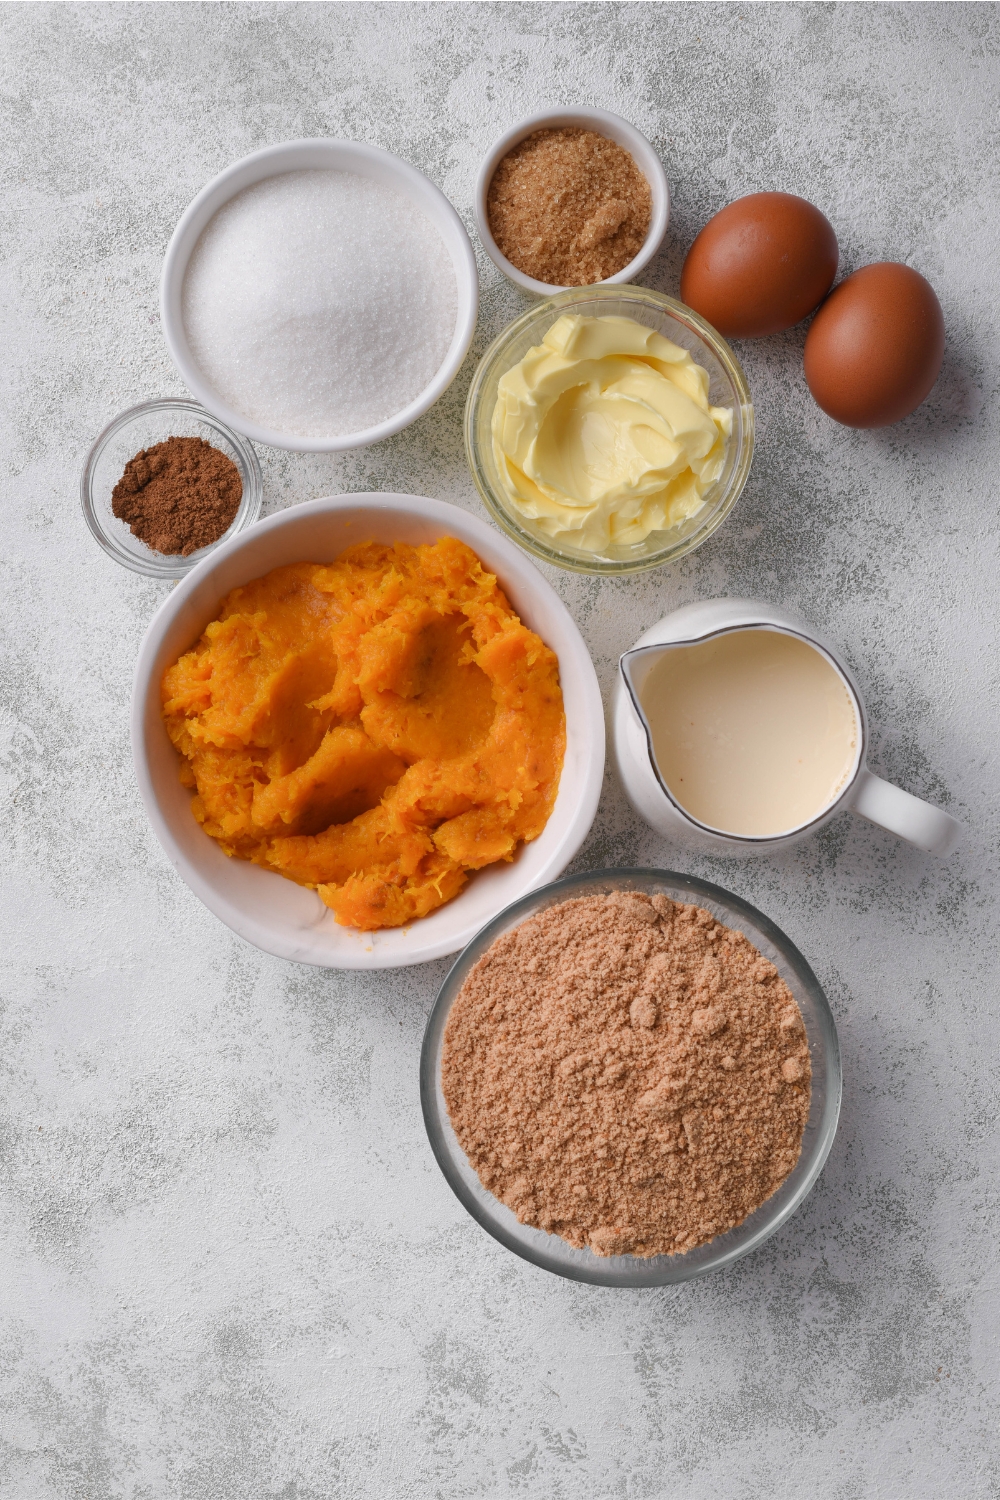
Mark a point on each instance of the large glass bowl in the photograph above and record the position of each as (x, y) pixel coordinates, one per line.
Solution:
(679, 324)
(140, 427)
(548, 1250)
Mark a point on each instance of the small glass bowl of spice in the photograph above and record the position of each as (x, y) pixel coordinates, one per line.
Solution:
(631, 1078)
(165, 483)
(571, 198)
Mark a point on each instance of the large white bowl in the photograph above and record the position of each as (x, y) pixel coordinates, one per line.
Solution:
(293, 156)
(263, 907)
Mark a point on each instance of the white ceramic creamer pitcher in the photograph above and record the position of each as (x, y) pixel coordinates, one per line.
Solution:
(921, 824)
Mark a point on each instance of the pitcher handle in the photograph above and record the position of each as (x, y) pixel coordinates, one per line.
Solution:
(913, 819)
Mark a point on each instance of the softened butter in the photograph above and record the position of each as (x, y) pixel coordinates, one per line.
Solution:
(604, 433)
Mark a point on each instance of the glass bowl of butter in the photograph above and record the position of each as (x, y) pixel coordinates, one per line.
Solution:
(609, 429)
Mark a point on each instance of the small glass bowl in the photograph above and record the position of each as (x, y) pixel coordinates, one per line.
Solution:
(679, 324)
(140, 427)
(548, 1250)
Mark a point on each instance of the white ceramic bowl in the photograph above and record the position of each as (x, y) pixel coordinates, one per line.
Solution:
(274, 913)
(294, 156)
(604, 123)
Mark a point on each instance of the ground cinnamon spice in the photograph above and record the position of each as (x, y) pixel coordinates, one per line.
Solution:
(569, 207)
(628, 1074)
(178, 495)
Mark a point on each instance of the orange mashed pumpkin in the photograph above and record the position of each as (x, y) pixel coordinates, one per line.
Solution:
(373, 729)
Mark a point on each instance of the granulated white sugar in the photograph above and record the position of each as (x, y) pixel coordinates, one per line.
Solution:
(319, 303)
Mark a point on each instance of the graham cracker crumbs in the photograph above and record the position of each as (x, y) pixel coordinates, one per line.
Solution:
(569, 207)
(627, 1073)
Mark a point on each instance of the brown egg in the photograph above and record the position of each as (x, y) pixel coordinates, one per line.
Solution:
(875, 347)
(760, 265)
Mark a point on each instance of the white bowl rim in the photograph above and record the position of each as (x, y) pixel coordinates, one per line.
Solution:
(269, 161)
(445, 931)
(642, 152)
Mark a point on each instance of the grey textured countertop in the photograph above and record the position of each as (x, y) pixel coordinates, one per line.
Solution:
(231, 1268)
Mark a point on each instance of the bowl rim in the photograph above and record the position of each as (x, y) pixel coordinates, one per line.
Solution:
(297, 155)
(170, 565)
(632, 1271)
(570, 648)
(574, 562)
(615, 128)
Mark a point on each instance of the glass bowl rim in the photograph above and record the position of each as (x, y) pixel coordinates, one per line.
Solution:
(656, 1270)
(170, 566)
(719, 348)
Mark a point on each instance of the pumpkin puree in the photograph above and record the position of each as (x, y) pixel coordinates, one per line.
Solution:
(373, 729)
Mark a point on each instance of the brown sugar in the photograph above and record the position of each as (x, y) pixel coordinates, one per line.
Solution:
(628, 1074)
(178, 495)
(569, 207)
